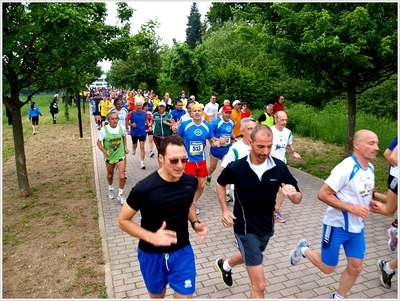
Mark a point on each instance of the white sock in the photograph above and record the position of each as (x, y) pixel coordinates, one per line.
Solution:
(227, 192)
(337, 296)
(120, 191)
(110, 187)
(142, 162)
(388, 269)
(226, 266)
(303, 250)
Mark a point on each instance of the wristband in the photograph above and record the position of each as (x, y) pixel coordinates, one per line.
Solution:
(295, 151)
(194, 223)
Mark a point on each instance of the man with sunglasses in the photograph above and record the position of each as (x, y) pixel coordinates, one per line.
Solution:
(222, 129)
(165, 254)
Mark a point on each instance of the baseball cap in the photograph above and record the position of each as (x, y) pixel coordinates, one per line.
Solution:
(96, 93)
(162, 103)
(237, 102)
(226, 108)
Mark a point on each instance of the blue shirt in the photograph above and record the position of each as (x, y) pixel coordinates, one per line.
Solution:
(222, 129)
(177, 114)
(140, 120)
(34, 112)
(195, 137)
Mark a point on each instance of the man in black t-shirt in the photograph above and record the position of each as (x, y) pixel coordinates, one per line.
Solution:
(165, 201)
(257, 178)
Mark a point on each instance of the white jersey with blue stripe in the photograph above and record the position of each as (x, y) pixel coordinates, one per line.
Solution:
(195, 138)
(353, 185)
(281, 139)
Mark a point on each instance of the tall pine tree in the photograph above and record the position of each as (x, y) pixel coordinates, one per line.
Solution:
(193, 30)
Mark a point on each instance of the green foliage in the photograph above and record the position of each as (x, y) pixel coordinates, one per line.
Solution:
(193, 30)
(381, 101)
(141, 67)
(330, 124)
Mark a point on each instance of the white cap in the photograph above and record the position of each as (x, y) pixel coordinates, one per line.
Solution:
(236, 102)
(162, 103)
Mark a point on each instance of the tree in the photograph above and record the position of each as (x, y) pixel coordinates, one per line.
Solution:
(48, 46)
(143, 61)
(350, 47)
(193, 30)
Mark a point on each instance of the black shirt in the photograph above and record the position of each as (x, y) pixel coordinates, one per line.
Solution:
(158, 201)
(255, 198)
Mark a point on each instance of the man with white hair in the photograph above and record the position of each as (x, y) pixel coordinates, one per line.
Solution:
(136, 119)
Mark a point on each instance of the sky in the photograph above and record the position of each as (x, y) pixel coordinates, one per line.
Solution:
(172, 16)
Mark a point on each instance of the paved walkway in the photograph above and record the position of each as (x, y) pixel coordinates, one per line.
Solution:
(304, 281)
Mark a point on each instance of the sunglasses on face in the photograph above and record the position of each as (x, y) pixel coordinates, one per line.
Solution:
(175, 161)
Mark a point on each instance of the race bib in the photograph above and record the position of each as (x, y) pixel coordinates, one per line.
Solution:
(228, 140)
(196, 148)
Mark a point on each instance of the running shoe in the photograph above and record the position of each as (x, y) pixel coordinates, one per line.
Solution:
(278, 217)
(197, 210)
(225, 276)
(142, 166)
(295, 255)
(111, 194)
(392, 242)
(121, 199)
(208, 181)
(152, 154)
(133, 151)
(228, 197)
(386, 279)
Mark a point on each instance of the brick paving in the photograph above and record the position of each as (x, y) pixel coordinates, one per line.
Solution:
(304, 281)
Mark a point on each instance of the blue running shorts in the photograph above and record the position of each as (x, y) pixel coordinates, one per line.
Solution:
(333, 237)
(251, 247)
(218, 152)
(177, 268)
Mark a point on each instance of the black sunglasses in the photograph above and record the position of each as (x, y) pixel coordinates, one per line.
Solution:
(175, 161)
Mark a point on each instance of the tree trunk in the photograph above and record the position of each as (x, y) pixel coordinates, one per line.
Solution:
(351, 122)
(20, 160)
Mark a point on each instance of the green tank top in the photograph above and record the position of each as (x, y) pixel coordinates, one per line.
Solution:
(269, 120)
(115, 144)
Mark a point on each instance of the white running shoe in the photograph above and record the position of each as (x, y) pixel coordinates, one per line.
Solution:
(133, 151)
(121, 199)
(111, 194)
(142, 166)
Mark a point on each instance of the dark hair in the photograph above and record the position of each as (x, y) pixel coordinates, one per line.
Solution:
(178, 101)
(32, 105)
(171, 139)
(116, 99)
(145, 104)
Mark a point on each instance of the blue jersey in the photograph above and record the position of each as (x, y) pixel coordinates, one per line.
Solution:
(140, 120)
(221, 129)
(177, 114)
(195, 137)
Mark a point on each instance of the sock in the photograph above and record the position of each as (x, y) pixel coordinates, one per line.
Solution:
(209, 177)
(120, 191)
(141, 162)
(227, 192)
(110, 187)
(226, 266)
(303, 251)
(387, 268)
(337, 296)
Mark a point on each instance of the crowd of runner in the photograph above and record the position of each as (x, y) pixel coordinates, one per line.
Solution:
(254, 177)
